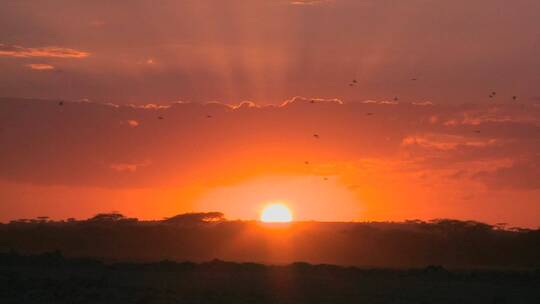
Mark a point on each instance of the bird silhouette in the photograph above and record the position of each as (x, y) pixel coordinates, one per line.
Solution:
(316, 136)
(208, 116)
(160, 117)
(369, 114)
(514, 97)
(354, 81)
(414, 79)
(306, 162)
(312, 101)
(61, 103)
(396, 99)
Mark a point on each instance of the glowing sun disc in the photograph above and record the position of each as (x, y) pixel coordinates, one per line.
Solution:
(276, 213)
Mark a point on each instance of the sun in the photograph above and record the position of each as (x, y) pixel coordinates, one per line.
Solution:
(276, 213)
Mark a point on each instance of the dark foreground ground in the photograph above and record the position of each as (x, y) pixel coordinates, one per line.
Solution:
(51, 278)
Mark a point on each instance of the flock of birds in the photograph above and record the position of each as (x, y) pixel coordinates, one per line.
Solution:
(353, 83)
(494, 94)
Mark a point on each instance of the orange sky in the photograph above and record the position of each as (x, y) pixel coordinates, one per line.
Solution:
(269, 51)
(404, 161)
(416, 136)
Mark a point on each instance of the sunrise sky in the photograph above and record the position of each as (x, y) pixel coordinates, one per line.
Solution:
(343, 110)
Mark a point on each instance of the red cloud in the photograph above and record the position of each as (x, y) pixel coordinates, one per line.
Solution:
(79, 143)
(307, 2)
(40, 66)
(49, 51)
(399, 160)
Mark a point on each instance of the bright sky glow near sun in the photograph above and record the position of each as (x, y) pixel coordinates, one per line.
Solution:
(276, 213)
(347, 110)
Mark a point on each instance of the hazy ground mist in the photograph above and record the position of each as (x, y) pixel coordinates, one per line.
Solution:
(207, 236)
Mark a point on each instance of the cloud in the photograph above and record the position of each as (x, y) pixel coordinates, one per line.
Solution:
(131, 122)
(308, 2)
(123, 167)
(45, 52)
(316, 49)
(305, 100)
(96, 144)
(148, 61)
(399, 162)
(524, 174)
(423, 103)
(40, 66)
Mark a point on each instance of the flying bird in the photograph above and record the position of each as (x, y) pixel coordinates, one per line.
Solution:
(369, 114)
(396, 99)
(208, 116)
(316, 136)
(354, 81)
(306, 162)
(160, 117)
(514, 97)
(61, 103)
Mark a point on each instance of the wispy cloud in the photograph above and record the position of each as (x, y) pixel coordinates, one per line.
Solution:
(491, 151)
(128, 167)
(307, 2)
(48, 51)
(350, 132)
(131, 123)
(40, 66)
